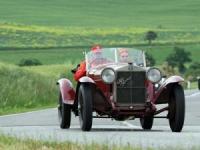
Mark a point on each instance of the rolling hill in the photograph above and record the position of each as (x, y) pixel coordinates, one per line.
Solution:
(102, 13)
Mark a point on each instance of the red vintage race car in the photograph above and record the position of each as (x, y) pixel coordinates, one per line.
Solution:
(121, 87)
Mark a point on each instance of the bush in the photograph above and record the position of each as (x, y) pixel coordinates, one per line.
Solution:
(150, 60)
(178, 58)
(168, 70)
(29, 62)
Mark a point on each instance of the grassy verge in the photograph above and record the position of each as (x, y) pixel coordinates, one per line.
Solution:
(12, 143)
(24, 90)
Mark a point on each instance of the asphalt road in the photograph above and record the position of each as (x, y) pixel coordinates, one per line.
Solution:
(43, 125)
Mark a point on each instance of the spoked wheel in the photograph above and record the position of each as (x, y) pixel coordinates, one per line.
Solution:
(147, 122)
(177, 109)
(85, 107)
(64, 114)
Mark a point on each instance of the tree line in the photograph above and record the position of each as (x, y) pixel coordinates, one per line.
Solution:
(176, 62)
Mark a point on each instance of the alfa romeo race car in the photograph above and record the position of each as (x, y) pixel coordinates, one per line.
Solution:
(122, 90)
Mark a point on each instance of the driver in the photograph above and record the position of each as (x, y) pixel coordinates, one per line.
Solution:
(97, 57)
(80, 70)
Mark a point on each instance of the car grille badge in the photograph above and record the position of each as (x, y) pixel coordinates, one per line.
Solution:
(122, 82)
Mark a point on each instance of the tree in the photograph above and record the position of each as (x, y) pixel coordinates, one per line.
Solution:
(150, 35)
(150, 60)
(193, 71)
(168, 70)
(178, 59)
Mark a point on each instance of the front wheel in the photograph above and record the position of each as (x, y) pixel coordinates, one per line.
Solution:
(177, 109)
(85, 107)
(64, 114)
(146, 122)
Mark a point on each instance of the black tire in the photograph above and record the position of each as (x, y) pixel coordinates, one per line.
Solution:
(64, 114)
(177, 109)
(147, 122)
(85, 107)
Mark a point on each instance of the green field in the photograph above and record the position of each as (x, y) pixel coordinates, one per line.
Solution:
(103, 13)
(66, 23)
(75, 55)
(16, 36)
(52, 56)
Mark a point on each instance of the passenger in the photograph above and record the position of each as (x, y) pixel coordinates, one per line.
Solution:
(123, 55)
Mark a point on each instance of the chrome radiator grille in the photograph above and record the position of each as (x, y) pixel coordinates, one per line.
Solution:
(130, 87)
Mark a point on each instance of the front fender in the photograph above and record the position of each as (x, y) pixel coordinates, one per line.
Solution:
(164, 90)
(83, 80)
(173, 79)
(67, 91)
(86, 79)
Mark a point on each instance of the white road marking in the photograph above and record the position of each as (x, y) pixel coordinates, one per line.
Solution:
(130, 125)
(30, 112)
(194, 94)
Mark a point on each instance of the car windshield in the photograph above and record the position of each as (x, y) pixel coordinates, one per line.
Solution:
(106, 56)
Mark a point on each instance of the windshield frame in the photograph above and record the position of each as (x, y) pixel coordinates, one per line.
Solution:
(116, 56)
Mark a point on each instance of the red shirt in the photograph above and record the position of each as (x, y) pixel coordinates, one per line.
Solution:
(81, 71)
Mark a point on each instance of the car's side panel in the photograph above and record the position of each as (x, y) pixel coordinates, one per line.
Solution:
(150, 90)
(163, 92)
(67, 91)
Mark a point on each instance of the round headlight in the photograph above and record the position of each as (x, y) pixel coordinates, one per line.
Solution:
(154, 75)
(108, 75)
